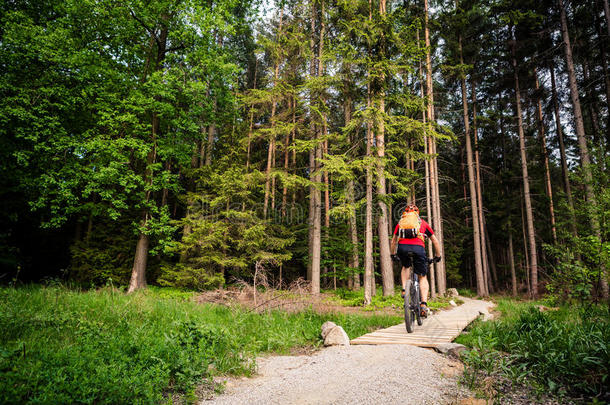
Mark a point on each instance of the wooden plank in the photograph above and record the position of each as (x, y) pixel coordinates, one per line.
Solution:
(404, 340)
(440, 328)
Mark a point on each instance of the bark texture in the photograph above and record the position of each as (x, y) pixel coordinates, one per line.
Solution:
(526, 186)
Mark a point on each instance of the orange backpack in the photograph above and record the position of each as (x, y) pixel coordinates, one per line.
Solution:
(409, 225)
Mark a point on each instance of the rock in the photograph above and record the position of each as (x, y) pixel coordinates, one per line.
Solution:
(452, 303)
(327, 327)
(451, 349)
(336, 337)
(452, 292)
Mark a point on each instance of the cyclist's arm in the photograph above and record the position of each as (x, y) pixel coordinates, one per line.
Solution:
(436, 244)
(393, 245)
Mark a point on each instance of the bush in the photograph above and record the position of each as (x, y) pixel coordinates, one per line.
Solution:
(564, 350)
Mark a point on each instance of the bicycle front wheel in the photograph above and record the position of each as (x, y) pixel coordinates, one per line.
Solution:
(409, 318)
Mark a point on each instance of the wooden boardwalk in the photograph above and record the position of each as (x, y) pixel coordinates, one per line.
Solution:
(442, 327)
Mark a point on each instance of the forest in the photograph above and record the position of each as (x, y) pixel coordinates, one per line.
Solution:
(195, 144)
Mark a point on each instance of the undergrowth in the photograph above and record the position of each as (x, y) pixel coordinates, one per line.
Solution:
(563, 352)
(64, 346)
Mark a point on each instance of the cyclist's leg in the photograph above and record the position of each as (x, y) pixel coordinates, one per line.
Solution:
(423, 287)
(403, 253)
(404, 276)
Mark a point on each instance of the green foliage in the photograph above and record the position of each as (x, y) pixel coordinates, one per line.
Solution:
(223, 233)
(106, 254)
(62, 346)
(566, 350)
(582, 260)
(464, 292)
(182, 275)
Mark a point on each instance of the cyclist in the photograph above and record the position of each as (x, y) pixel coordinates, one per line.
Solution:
(416, 245)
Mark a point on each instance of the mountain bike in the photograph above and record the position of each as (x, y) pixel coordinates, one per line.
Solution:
(413, 298)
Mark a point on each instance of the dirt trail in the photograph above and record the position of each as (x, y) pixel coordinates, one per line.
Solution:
(350, 375)
(362, 374)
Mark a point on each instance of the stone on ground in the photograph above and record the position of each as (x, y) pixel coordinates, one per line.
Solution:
(336, 337)
(327, 327)
(452, 292)
(452, 303)
(451, 349)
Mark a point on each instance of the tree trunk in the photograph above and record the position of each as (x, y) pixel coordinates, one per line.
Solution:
(545, 157)
(526, 186)
(593, 104)
(493, 272)
(353, 230)
(437, 222)
(326, 188)
(607, 15)
(562, 152)
(585, 161)
(368, 227)
(286, 155)
(604, 65)
(481, 286)
(202, 145)
(525, 250)
(511, 258)
(250, 127)
(315, 214)
(271, 150)
(312, 209)
(324, 122)
(211, 134)
(387, 274)
(479, 195)
(353, 226)
(317, 234)
(433, 278)
(138, 273)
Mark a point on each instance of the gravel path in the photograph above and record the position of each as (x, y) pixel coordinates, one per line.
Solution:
(350, 375)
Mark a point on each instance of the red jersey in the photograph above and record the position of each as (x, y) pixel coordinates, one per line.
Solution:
(423, 229)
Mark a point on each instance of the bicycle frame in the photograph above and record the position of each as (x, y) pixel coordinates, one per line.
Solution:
(412, 296)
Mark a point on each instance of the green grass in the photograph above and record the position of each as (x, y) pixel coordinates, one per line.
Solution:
(465, 292)
(64, 346)
(566, 351)
(351, 298)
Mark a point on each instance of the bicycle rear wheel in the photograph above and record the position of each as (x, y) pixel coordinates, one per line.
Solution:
(407, 307)
(416, 300)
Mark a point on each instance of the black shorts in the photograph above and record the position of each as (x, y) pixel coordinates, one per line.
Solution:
(419, 258)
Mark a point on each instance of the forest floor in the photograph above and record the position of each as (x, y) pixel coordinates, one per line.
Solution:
(297, 298)
(359, 374)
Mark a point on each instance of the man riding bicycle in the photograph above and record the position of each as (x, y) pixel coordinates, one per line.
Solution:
(410, 233)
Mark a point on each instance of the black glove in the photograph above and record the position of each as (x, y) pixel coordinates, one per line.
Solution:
(437, 259)
(395, 258)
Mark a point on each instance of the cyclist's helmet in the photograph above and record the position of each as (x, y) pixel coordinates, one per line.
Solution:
(412, 207)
